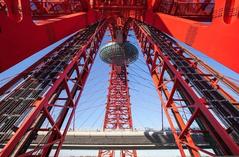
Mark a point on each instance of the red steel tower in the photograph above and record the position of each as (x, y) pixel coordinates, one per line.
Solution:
(118, 54)
(118, 111)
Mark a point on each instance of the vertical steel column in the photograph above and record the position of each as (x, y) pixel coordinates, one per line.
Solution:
(181, 85)
(118, 111)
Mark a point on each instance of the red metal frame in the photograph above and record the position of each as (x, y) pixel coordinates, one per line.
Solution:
(70, 82)
(224, 27)
(20, 37)
(118, 111)
(169, 82)
(217, 39)
(120, 8)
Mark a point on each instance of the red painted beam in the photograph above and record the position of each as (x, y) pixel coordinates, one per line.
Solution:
(74, 75)
(21, 39)
(217, 40)
(155, 46)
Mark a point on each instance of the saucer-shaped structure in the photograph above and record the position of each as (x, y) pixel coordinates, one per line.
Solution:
(119, 53)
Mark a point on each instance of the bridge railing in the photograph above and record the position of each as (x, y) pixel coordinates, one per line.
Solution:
(196, 11)
(42, 9)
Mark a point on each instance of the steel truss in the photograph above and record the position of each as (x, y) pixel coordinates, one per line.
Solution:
(54, 85)
(118, 111)
(51, 86)
(182, 85)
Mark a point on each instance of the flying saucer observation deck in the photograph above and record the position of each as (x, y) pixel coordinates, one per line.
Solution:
(119, 53)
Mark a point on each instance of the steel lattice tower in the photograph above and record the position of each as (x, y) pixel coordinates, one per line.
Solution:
(118, 108)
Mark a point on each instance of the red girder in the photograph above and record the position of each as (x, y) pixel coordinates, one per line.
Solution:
(20, 37)
(169, 69)
(118, 111)
(18, 30)
(120, 8)
(217, 39)
(66, 86)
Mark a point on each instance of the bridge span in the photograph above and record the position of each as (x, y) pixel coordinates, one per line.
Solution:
(121, 140)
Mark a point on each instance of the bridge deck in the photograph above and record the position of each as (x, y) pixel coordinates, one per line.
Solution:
(122, 140)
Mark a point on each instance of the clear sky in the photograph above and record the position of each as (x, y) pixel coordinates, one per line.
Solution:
(146, 108)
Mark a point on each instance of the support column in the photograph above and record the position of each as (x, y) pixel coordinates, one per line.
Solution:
(118, 111)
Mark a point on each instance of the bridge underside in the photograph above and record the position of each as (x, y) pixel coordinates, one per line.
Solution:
(121, 140)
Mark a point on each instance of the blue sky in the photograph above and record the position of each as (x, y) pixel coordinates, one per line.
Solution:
(140, 83)
(146, 110)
